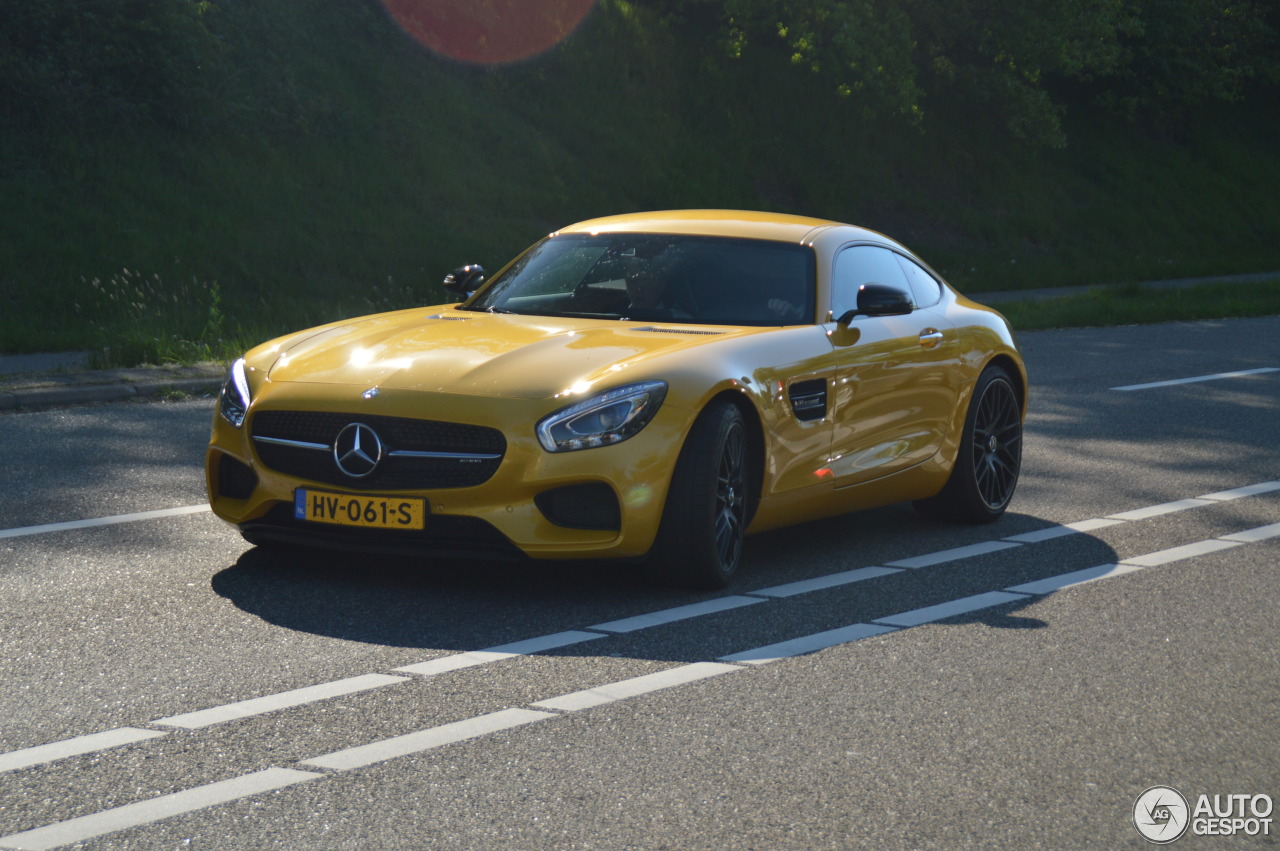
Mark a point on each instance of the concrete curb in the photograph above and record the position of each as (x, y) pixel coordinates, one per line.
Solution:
(69, 393)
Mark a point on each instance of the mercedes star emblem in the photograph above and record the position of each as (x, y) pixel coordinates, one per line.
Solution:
(357, 450)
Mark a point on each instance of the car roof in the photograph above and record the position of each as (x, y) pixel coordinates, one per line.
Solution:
(732, 223)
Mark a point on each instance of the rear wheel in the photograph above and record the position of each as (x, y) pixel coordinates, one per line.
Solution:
(986, 471)
(705, 519)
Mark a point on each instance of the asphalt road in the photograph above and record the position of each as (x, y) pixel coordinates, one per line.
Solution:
(1023, 711)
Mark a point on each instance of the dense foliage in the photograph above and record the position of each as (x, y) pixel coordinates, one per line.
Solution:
(68, 64)
(1147, 58)
(188, 176)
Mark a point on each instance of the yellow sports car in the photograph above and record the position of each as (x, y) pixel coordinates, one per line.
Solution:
(651, 385)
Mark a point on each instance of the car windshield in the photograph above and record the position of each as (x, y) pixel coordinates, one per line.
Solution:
(657, 278)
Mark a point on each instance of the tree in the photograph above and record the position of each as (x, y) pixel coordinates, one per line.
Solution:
(76, 61)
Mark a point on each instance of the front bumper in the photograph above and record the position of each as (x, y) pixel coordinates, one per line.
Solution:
(533, 504)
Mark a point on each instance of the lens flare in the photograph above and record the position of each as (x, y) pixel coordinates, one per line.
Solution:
(488, 32)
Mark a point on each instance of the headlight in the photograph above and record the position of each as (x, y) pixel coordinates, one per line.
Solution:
(611, 417)
(233, 402)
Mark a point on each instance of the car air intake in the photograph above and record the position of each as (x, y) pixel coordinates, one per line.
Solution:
(587, 506)
(809, 399)
(235, 479)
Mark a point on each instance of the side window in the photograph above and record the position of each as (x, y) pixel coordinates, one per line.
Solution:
(863, 264)
(925, 290)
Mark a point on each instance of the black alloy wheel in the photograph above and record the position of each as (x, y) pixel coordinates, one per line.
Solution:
(731, 494)
(997, 444)
(986, 469)
(708, 506)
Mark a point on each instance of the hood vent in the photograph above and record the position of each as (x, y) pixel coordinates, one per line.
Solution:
(691, 331)
(448, 318)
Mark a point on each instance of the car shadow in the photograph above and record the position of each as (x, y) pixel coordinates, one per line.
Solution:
(459, 605)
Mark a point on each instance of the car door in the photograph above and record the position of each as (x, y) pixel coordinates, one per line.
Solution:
(893, 397)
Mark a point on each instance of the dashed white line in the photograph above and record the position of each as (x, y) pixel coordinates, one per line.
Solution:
(1198, 378)
(144, 812)
(1250, 490)
(1179, 553)
(91, 743)
(636, 686)
(1249, 536)
(1157, 510)
(969, 551)
(679, 613)
(1078, 577)
(275, 702)
(470, 659)
(423, 740)
(1065, 529)
(807, 644)
(950, 609)
(155, 809)
(113, 520)
(821, 583)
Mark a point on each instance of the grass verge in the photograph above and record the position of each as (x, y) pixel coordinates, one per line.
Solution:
(1135, 304)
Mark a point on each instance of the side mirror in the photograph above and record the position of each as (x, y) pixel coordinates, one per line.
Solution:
(878, 300)
(464, 280)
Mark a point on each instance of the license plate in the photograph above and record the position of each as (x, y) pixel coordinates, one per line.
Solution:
(370, 512)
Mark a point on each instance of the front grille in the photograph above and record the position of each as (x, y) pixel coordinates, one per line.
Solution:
(398, 434)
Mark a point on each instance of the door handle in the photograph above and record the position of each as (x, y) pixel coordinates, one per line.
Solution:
(930, 338)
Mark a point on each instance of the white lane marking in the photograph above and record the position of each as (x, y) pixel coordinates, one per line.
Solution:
(1249, 536)
(423, 740)
(102, 521)
(943, 556)
(471, 658)
(807, 644)
(562, 639)
(951, 608)
(1060, 531)
(636, 686)
(679, 613)
(1179, 553)
(1251, 490)
(145, 812)
(1078, 577)
(275, 702)
(1157, 510)
(1198, 378)
(821, 583)
(91, 743)
(155, 809)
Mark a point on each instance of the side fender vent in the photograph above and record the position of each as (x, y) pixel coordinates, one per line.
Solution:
(809, 399)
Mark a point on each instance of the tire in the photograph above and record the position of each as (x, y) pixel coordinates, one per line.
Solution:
(986, 468)
(705, 518)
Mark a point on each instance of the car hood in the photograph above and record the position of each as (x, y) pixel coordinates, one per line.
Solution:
(445, 350)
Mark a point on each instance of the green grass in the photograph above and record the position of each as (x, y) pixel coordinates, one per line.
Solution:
(1137, 305)
(346, 170)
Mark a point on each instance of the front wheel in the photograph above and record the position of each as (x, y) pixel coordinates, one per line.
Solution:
(705, 518)
(986, 470)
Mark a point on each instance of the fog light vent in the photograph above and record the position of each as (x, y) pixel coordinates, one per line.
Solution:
(236, 480)
(589, 506)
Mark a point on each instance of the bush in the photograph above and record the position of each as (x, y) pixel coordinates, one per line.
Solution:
(70, 63)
